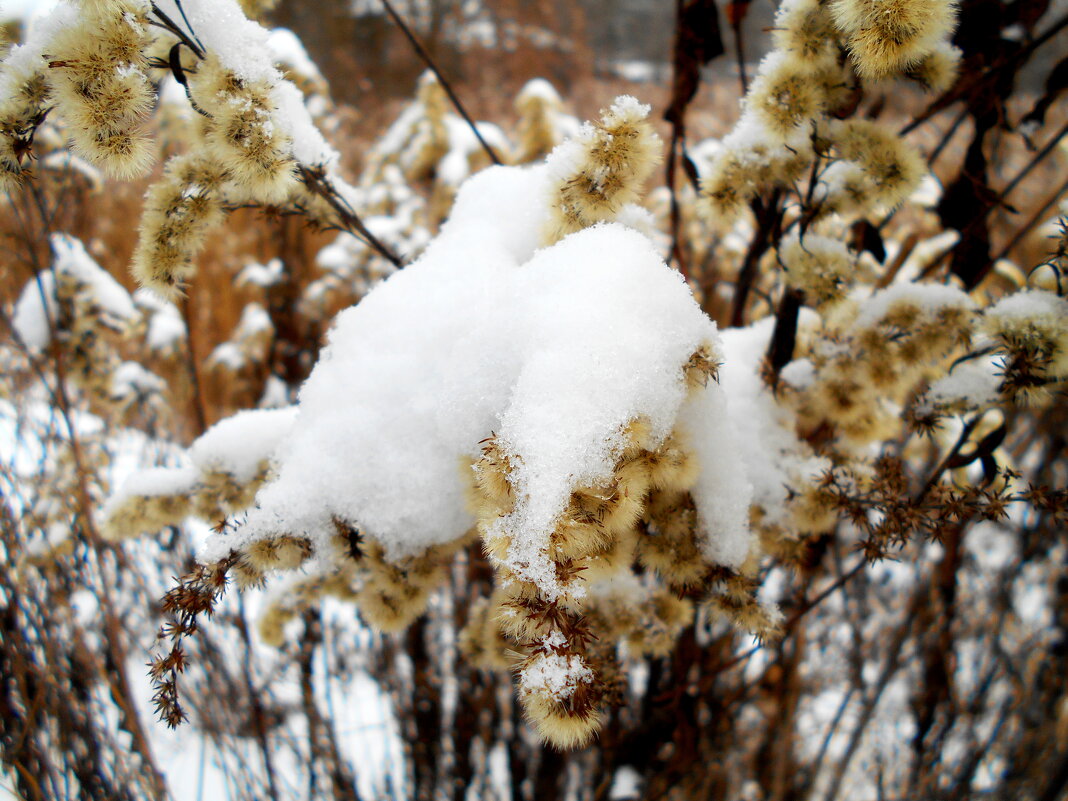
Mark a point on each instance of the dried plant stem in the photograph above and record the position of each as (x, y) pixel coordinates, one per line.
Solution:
(200, 415)
(999, 201)
(895, 266)
(1037, 159)
(677, 140)
(322, 743)
(890, 667)
(115, 673)
(784, 337)
(258, 715)
(170, 25)
(988, 79)
(739, 49)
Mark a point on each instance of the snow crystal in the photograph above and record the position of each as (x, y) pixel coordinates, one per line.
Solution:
(308, 145)
(166, 328)
(70, 258)
(172, 94)
(750, 141)
(927, 193)
(540, 88)
(626, 784)
(237, 445)
(275, 394)
(132, 379)
(34, 310)
(153, 481)
(228, 355)
(723, 492)
(241, 44)
(288, 51)
(254, 320)
(799, 374)
(261, 275)
(454, 167)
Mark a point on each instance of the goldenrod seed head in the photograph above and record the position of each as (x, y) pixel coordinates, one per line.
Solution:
(783, 97)
(937, 71)
(819, 266)
(887, 36)
(602, 168)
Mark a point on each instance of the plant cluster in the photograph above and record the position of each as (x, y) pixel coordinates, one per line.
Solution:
(724, 515)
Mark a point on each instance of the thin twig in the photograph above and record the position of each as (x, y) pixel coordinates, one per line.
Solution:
(1034, 162)
(426, 59)
(170, 25)
(199, 412)
(192, 31)
(318, 184)
(117, 677)
(769, 218)
(739, 51)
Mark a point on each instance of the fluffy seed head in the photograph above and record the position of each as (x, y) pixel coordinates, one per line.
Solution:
(887, 36)
(818, 265)
(804, 30)
(783, 97)
(893, 166)
(179, 210)
(938, 70)
(557, 693)
(542, 123)
(281, 552)
(603, 168)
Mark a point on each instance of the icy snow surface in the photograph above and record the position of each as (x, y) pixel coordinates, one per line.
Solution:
(774, 457)
(927, 297)
(1029, 305)
(236, 445)
(973, 384)
(554, 351)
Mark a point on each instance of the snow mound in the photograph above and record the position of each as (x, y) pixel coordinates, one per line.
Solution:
(553, 351)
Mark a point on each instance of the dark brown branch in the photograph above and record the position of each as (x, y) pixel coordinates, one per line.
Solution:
(169, 24)
(769, 219)
(784, 337)
(1035, 219)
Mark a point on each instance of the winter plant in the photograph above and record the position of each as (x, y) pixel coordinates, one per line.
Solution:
(642, 498)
